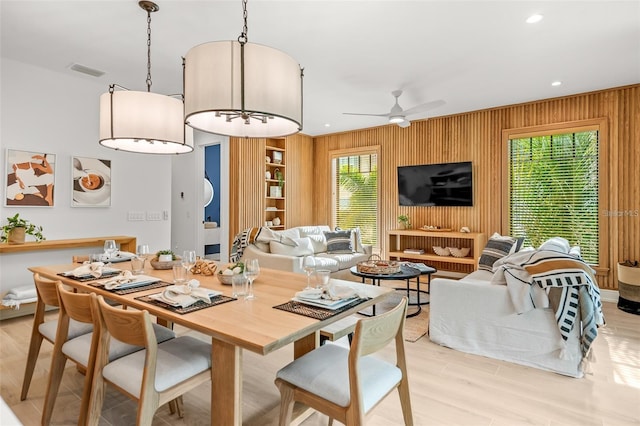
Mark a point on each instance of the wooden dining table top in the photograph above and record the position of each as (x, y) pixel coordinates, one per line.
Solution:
(253, 325)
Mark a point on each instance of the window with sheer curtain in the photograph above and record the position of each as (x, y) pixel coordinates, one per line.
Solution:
(355, 193)
(554, 189)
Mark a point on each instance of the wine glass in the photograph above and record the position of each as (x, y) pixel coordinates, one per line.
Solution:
(251, 271)
(309, 265)
(143, 250)
(188, 260)
(110, 248)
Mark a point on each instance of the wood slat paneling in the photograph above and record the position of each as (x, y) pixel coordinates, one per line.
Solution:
(476, 137)
(473, 136)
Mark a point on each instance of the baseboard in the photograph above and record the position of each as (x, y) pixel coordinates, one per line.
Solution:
(609, 296)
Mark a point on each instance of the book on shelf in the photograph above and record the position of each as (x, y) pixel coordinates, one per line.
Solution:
(413, 251)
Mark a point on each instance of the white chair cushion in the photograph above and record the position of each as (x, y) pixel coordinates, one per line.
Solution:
(325, 372)
(48, 329)
(78, 349)
(178, 360)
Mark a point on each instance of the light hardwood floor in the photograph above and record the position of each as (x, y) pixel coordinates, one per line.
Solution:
(447, 387)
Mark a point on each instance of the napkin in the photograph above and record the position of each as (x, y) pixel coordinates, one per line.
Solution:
(185, 295)
(310, 294)
(339, 292)
(94, 269)
(124, 278)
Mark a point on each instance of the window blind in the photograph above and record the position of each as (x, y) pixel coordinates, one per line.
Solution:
(554, 189)
(356, 194)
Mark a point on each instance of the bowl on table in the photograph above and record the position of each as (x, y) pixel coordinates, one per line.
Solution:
(441, 251)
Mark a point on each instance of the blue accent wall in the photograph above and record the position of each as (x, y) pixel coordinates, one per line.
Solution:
(212, 167)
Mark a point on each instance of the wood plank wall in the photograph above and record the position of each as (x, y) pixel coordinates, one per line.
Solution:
(473, 136)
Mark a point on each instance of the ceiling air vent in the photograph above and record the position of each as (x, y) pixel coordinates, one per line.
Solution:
(86, 70)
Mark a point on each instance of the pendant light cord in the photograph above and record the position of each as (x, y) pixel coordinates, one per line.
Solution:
(148, 50)
(243, 38)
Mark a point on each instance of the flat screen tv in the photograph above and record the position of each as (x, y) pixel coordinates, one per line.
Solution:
(446, 184)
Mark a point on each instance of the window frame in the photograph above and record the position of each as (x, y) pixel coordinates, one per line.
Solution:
(338, 153)
(598, 124)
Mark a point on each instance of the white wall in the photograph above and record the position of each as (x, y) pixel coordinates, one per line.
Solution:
(187, 229)
(58, 113)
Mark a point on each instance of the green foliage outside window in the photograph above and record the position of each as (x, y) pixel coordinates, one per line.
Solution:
(356, 203)
(554, 189)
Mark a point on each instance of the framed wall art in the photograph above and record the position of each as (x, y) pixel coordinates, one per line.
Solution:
(91, 183)
(30, 179)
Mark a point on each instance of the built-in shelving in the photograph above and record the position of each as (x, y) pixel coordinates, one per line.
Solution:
(275, 156)
(401, 239)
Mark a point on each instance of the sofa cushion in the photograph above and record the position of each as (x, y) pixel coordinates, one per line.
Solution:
(343, 260)
(356, 238)
(316, 234)
(498, 247)
(266, 235)
(339, 241)
(556, 244)
(303, 247)
(327, 261)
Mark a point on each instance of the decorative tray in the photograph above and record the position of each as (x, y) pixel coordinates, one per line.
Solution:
(429, 229)
(378, 266)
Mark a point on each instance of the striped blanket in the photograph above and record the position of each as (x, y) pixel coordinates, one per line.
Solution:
(533, 275)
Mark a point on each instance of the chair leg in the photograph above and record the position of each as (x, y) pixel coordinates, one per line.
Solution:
(32, 357)
(286, 402)
(58, 361)
(180, 406)
(405, 402)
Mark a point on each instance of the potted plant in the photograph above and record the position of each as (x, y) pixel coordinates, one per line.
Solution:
(404, 221)
(165, 256)
(16, 229)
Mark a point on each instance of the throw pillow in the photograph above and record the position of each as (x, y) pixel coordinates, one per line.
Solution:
(556, 244)
(497, 247)
(303, 247)
(356, 238)
(338, 241)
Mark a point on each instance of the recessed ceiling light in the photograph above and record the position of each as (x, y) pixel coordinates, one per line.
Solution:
(327, 125)
(534, 18)
(556, 83)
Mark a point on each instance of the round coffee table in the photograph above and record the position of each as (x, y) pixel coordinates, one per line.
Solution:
(406, 273)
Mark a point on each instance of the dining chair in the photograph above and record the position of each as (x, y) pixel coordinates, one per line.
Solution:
(153, 376)
(83, 308)
(47, 296)
(345, 384)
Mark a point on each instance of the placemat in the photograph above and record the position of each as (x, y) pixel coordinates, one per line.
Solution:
(91, 277)
(316, 312)
(216, 300)
(121, 291)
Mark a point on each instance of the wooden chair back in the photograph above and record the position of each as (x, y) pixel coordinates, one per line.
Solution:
(129, 326)
(77, 306)
(46, 289)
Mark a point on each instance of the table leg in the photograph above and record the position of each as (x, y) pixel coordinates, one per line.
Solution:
(226, 384)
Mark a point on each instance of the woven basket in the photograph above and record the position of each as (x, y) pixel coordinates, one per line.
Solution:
(376, 266)
(156, 264)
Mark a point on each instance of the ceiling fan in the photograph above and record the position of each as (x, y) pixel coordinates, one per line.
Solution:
(398, 116)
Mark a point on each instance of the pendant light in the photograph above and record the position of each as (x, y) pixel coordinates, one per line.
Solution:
(242, 89)
(143, 122)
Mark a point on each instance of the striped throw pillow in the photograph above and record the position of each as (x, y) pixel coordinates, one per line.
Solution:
(339, 241)
(497, 247)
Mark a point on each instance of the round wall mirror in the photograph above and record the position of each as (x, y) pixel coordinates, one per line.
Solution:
(208, 192)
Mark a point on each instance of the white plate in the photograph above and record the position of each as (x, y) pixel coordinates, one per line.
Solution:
(104, 271)
(140, 280)
(325, 303)
(160, 298)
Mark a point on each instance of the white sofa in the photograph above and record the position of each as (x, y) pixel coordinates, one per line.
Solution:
(275, 250)
(475, 316)
(507, 309)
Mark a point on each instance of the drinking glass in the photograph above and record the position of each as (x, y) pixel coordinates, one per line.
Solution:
(110, 248)
(188, 260)
(323, 276)
(251, 271)
(309, 265)
(143, 250)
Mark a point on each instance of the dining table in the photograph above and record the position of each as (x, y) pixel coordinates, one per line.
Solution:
(261, 325)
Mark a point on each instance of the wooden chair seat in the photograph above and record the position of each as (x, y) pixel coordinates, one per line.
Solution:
(41, 330)
(154, 376)
(344, 383)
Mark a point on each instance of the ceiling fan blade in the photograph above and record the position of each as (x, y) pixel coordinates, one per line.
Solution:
(404, 124)
(372, 115)
(424, 107)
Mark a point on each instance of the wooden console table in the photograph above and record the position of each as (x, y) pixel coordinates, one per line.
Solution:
(126, 244)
